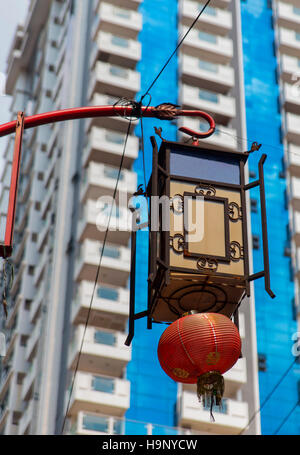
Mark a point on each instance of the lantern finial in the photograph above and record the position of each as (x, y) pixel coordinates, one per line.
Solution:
(210, 389)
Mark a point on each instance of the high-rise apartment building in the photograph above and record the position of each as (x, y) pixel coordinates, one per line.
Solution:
(94, 52)
(271, 67)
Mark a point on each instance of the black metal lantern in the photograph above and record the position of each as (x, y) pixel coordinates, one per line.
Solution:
(198, 247)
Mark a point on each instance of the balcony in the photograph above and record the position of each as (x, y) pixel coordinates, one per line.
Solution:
(118, 123)
(221, 107)
(103, 351)
(33, 340)
(116, 50)
(5, 380)
(205, 74)
(114, 80)
(289, 42)
(212, 20)
(95, 424)
(291, 98)
(107, 147)
(293, 160)
(207, 46)
(287, 16)
(231, 420)
(37, 302)
(222, 3)
(100, 180)
(119, 5)
(289, 69)
(99, 394)
(26, 418)
(118, 20)
(292, 128)
(223, 139)
(110, 306)
(115, 266)
(297, 265)
(296, 229)
(29, 380)
(86, 423)
(95, 219)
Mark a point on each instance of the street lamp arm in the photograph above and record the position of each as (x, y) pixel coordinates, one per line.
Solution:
(161, 112)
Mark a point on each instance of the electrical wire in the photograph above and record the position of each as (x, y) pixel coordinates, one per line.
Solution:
(250, 141)
(287, 417)
(269, 396)
(174, 52)
(98, 272)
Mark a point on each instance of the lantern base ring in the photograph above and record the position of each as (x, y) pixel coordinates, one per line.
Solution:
(210, 390)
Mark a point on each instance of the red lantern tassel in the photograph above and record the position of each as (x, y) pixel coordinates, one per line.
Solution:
(210, 390)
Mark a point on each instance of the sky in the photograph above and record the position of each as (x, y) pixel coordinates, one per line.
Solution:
(12, 13)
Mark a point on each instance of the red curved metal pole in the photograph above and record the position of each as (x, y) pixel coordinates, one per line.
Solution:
(103, 111)
(164, 112)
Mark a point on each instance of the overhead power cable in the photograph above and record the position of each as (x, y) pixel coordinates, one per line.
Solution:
(287, 417)
(269, 395)
(97, 273)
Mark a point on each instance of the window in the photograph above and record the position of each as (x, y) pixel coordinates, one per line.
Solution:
(208, 96)
(223, 410)
(118, 41)
(287, 248)
(203, 36)
(107, 338)
(23, 340)
(121, 12)
(282, 172)
(296, 10)
(291, 270)
(297, 36)
(115, 212)
(95, 423)
(114, 137)
(262, 362)
(253, 203)
(105, 385)
(111, 252)
(108, 293)
(255, 242)
(112, 173)
(294, 309)
(208, 66)
(209, 10)
(118, 71)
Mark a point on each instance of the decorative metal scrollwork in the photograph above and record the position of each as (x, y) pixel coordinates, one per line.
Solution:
(177, 243)
(177, 204)
(207, 264)
(205, 189)
(235, 212)
(236, 251)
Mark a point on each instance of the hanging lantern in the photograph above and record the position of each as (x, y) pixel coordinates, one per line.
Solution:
(199, 348)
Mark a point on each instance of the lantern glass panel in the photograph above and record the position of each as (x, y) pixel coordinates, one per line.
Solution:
(206, 165)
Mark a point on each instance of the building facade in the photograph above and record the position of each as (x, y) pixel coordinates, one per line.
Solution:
(74, 53)
(271, 65)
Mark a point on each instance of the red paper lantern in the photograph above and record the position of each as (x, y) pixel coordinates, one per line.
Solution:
(199, 348)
